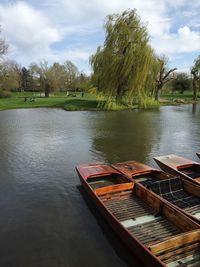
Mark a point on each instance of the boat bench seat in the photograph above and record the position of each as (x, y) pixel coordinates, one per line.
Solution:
(180, 250)
(172, 190)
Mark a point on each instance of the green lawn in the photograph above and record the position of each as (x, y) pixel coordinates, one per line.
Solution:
(59, 100)
(176, 95)
(87, 102)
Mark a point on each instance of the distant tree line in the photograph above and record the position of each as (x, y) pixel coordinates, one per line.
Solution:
(125, 68)
(40, 77)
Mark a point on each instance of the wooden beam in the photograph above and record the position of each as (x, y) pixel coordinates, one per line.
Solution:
(176, 242)
(114, 188)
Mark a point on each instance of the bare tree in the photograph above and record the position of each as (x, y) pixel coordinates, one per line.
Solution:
(3, 46)
(163, 77)
(9, 75)
(195, 71)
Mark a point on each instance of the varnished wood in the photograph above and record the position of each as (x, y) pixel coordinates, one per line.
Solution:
(114, 188)
(175, 165)
(137, 171)
(140, 217)
(175, 242)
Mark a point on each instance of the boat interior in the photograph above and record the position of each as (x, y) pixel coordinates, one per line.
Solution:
(148, 178)
(178, 192)
(152, 222)
(106, 180)
(192, 170)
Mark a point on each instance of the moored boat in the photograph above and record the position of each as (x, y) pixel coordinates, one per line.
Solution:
(156, 232)
(185, 168)
(179, 192)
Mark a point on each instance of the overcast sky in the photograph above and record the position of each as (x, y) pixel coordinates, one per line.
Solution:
(72, 29)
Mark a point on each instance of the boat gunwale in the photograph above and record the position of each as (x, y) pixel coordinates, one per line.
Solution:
(120, 226)
(171, 204)
(175, 169)
(109, 216)
(187, 181)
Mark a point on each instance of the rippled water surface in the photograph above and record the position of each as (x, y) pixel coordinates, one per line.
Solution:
(46, 220)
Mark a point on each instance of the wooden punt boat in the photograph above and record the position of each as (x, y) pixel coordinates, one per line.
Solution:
(156, 232)
(181, 193)
(185, 168)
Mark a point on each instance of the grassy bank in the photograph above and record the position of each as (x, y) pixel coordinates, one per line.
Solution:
(60, 100)
(176, 97)
(86, 102)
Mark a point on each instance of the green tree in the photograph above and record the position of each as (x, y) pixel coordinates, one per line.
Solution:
(195, 71)
(58, 77)
(126, 64)
(181, 83)
(44, 76)
(72, 73)
(55, 77)
(26, 80)
(9, 75)
(83, 82)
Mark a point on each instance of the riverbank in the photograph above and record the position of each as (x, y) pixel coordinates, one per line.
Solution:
(60, 100)
(78, 102)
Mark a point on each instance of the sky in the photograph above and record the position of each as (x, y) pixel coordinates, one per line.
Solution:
(60, 30)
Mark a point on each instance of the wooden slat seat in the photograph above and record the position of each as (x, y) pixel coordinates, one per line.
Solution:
(157, 230)
(181, 250)
(195, 211)
(129, 208)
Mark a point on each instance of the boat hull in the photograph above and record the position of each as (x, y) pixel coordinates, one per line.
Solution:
(143, 252)
(140, 251)
(134, 170)
(176, 165)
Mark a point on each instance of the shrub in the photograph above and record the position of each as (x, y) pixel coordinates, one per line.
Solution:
(148, 103)
(5, 94)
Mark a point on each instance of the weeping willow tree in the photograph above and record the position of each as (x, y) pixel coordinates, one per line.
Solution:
(125, 66)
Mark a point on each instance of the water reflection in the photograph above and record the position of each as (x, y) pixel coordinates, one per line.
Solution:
(143, 135)
(126, 135)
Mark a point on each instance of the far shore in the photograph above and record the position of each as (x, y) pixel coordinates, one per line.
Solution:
(80, 102)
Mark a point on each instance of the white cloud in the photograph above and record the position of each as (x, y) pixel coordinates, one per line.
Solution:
(184, 41)
(92, 13)
(33, 28)
(28, 31)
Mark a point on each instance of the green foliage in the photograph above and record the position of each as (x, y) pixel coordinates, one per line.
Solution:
(9, 75)
(196, 66)
(148, 103)
(181, 83)
(195, 71)
(72, 74)
(26, 80)
(126, 64)
(5, 94)
(111, 104)
(79, 104)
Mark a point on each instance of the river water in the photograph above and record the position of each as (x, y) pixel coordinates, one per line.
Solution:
(46, 219)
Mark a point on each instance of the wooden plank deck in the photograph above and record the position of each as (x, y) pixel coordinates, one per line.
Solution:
(132, 209)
